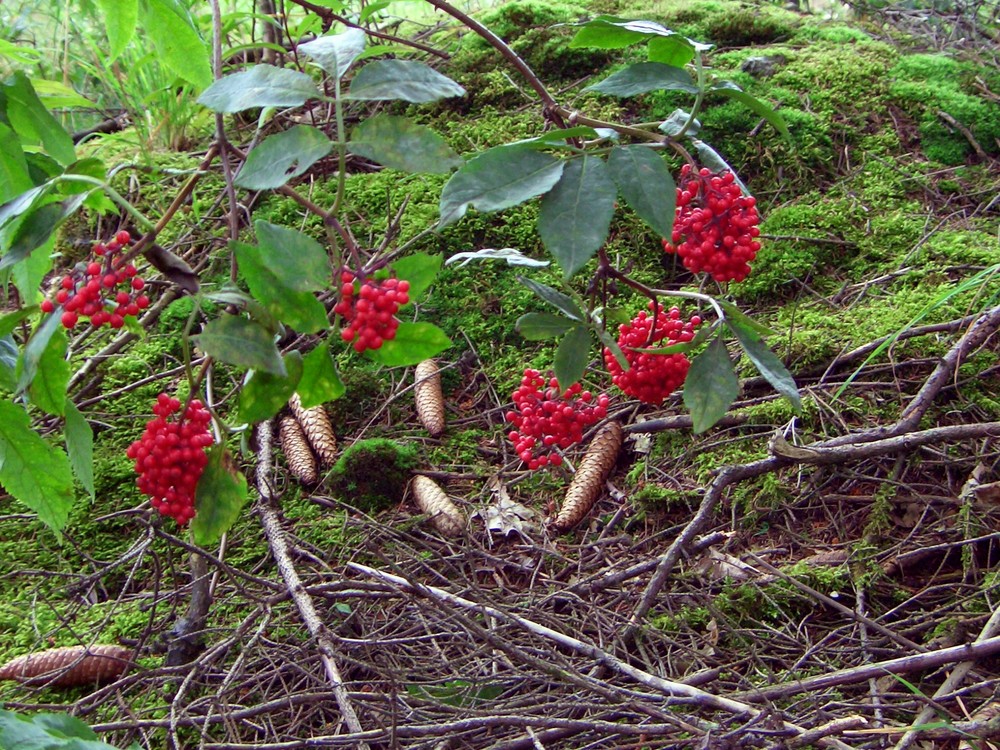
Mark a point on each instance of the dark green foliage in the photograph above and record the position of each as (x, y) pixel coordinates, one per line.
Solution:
(372, 474)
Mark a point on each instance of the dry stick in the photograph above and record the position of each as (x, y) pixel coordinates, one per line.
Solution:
(676, 690)
(279, 549)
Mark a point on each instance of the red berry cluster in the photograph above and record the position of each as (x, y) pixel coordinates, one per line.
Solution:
(370, 312)
(89, 291)
(170, 457)
(546, 418)
(715, 228)
(652, 377)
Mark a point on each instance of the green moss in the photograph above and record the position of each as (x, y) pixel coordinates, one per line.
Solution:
(372, 474)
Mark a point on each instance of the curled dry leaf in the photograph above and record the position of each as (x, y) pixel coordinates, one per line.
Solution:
(173, 267)
(315, 424)
(69, 666)
(590, 476)
(433, 501)
(297, 454)
(427, 394)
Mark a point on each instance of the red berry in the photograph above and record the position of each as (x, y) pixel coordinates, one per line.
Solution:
(47, 306)
(369, 312)
(123, 237)
(70, 319)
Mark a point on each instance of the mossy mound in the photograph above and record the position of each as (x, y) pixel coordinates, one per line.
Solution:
(372, 474)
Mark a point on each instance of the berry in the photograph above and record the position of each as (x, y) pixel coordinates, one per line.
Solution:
(170, 456)
(47, 306)
(70, 319)
(545, 418)
(369, 312)
(715, 226)
(123, 237)
(652, 377)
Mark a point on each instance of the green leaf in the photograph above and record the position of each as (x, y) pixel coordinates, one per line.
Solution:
(755, 105)
(414, 342)
(572, 356)
(609, 32)
(420, 269)
(282, 157)
(496, 179)
(677, 121)
(33, 122)
(320, 382)
(576, 214)
(711, 159)
(11, 320)
(766, 362)
(646, 184)
(80, 447)
(219, 498)
(711, 386)
(402, 144)
(264, 395)
(8, 363)
(540, 326)
(557, 299)
(34, 472)
(66, 726)
(734, 314)
(335, 53)
(670, 50)
(57, 95)
(261, 86)
(48, 389)
(558, 137)
(300, 310)
(298, 261)
(14, 177)
(27, 364)
(120, 17)
(169, 27)
(641, 78)
(408, 80)
(22, 203)
(241, 342)
(36, 228)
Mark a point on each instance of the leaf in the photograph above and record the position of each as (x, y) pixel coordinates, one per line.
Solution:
(36, 228)
(670, 50)
(557, 299)
(9, 321)
(640, 78)
(282, 157)
(320, 382)
(120, 17)
(734, 314)
(57, 95)
(496, 179)
(711, 386)
(8, 363)
(420, 269)
(540, 326)
(675, 123)
(80, 447)
(402, 144)
(513, 256)
(22, 203)
(241, 342)
(14, 177)
(261, 86)
(34, 472)
(766, 362)
(298, 261)
(711, 159)
(33, 122)
(408, 80)
(755, 105)
(609, 32)
(646, 184)
(48, 388)
(168, 26)
(30, 358)
(558, 137)
(264, 395)
(66, 726)
(219, 498)
(335, 53)
(414, 342)
(172, 267)
(576, 214)
(572, 356)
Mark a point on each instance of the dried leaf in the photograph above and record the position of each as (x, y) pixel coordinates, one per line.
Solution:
(427, 394)
(433, 501)
(297, 454)
(69, 666)
(590, 477)
(173, 267)
(316, 427)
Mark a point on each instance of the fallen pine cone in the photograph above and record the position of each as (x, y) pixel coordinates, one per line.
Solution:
(315, 423)
(433, 501)
(590, 477)
(297, 454)
(427, 394)
(69, 666)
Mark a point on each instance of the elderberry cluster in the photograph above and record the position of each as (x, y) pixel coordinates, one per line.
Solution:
(370, 312)
(546, 418)
(652, 377)
(170, 456)
(715, 227)
(89, 290)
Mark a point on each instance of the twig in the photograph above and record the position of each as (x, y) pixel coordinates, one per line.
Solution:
(278, 544)
(964, 131)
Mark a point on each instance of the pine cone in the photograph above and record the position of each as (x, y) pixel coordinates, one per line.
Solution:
(297, 454)
(69, 666)
(433, 501)
(590, 476)
(427, 394)
(316, 426)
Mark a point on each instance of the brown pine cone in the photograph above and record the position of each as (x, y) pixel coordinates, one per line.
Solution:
(69, 666)
(315, 423)
(590, 476)
(299, 458)
(427, 394)
(433, 501)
